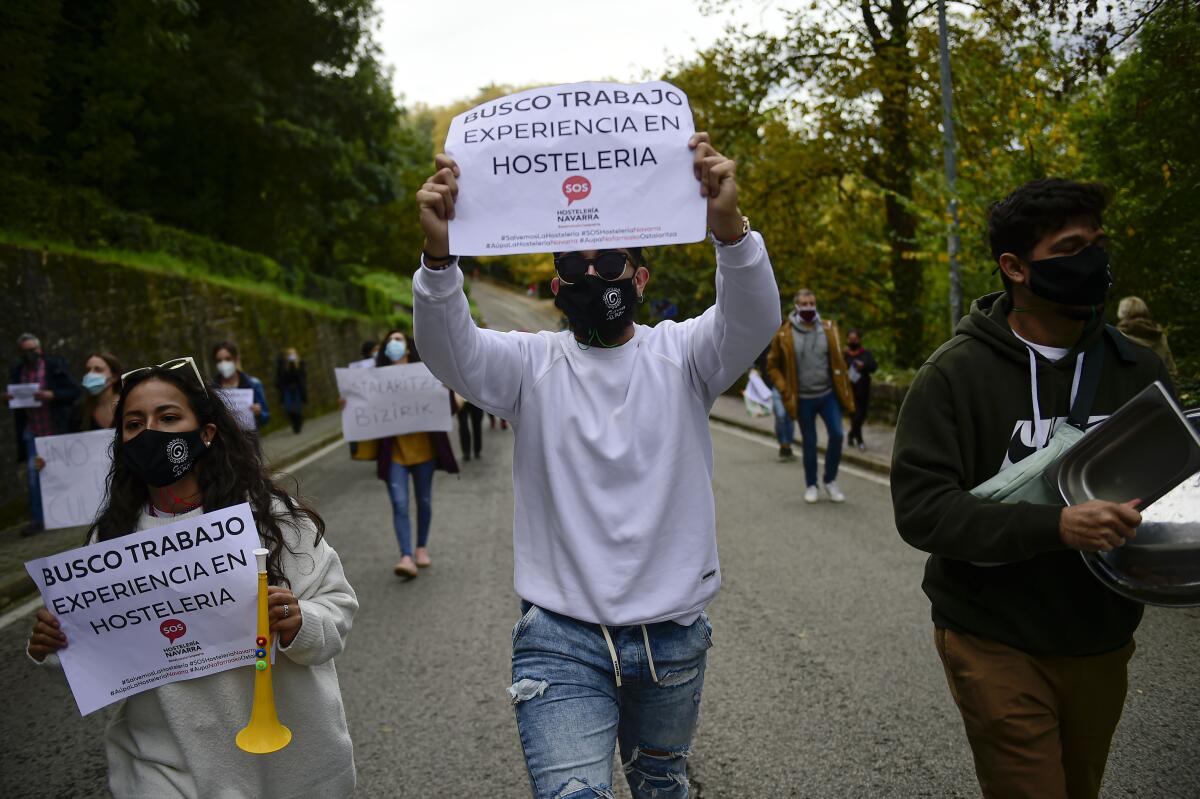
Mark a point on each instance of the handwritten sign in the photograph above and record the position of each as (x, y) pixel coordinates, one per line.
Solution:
(75, 476)
(576, 167)
(239, 400)
(392, 400)
(365, 363)
(21, 395)
(154, 607)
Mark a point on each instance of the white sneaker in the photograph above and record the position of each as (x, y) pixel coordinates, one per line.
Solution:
(835, 493)
(810, 494)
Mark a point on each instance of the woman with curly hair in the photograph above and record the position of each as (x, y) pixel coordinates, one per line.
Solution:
(177, 740)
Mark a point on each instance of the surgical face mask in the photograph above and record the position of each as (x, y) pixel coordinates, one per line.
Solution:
(159, 458)
(226, 369)
(94, 382)
(1079, 279)
(395, 349)
(596, 307)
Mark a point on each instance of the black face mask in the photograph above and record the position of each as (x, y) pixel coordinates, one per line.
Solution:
(1079, 279)
(598, 308)
(30, 356)
(159, 458)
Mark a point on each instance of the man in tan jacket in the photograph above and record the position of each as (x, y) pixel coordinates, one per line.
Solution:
(807, 367)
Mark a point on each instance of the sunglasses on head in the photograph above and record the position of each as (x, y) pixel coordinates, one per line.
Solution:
(571, 266)
(186, 365)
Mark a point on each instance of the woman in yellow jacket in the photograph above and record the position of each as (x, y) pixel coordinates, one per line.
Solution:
(415, 456)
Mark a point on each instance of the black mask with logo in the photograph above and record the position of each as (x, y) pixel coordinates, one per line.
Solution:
(160, 458)
(1079, 279)
(598, 308)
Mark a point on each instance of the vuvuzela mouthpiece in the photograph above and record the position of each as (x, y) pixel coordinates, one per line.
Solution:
(261, 556)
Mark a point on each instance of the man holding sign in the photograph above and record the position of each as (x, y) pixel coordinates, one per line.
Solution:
(615, 528)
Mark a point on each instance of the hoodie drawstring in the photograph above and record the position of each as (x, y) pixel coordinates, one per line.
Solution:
(616, 661)
(1039, 440)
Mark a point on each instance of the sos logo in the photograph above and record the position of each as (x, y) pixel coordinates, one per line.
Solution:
(576, 187)
(173, 629)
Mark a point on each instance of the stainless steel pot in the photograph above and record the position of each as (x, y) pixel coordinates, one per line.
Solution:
(1144, 455)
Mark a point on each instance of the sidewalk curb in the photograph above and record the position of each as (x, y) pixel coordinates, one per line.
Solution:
(15, 588)
(848, 456)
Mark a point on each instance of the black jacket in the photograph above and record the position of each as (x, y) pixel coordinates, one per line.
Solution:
(968, 413)
(868, 361)
(291, 377)
(66, 392)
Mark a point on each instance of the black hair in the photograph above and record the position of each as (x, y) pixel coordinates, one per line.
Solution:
(1040, 207)
(225, 345)
(367, 346)
(230, 472)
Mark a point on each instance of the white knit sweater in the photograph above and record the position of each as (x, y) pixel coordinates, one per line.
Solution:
(178, 740)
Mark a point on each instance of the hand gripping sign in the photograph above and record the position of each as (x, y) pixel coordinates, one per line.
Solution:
(584, 166)
(154, 607)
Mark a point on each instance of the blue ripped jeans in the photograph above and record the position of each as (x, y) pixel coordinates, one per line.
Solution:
(422, 477)
(570, 711)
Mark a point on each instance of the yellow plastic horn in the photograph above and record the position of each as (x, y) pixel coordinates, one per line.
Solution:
(264, 733)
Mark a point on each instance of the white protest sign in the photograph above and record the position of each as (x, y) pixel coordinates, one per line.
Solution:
(582, 166)
(154, 607)
(22, 395)
(365, 363)
(391, 401)
(74, 478)
(239, 401)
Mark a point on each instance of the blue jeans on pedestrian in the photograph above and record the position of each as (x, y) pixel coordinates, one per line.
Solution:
(830, 411)
(784, 431)
(570, 711)
(35, 482)
(422, 477)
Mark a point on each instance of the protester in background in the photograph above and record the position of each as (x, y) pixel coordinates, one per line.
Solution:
(1133, 319)
(415, 455)
(807, 365)
(291, 379)
(370, 349)
(230, 375)
(177, 740)
(785, 431)
(615, 541)
(102, 384)
(1035, 649)
(472, 415)
(57, 393)
(860, 364)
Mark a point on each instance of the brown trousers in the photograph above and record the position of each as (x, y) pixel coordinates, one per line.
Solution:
(1039, 726)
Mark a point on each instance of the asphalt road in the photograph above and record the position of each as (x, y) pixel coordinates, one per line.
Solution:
(823, 681)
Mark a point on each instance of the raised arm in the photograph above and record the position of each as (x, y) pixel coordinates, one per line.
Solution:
(726, 339)
(485, 366)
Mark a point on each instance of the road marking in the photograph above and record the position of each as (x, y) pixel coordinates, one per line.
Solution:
(20, 612)
(769, 443)
(321, 453)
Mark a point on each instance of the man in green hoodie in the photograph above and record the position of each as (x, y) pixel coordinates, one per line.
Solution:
(1034, 648)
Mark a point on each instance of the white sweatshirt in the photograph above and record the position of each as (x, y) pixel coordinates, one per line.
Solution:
(178, 740)
(615, 521)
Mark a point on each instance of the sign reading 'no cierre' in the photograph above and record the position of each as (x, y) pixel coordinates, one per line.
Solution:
(75, 476)
(575, 167)
(392, 400)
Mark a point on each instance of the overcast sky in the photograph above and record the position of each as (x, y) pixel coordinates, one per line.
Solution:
(445, 50)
